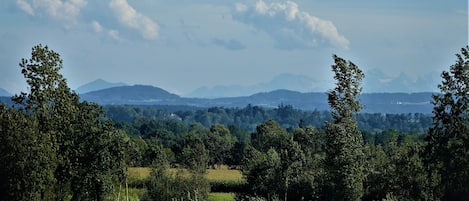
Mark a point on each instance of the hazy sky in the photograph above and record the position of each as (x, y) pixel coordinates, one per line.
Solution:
(181, 45)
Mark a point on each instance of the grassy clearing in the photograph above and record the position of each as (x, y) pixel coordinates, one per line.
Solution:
(222, 179)
(221, 197)
(138, 173)
(222, 174)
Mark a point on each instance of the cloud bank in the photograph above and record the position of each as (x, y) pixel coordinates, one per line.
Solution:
(56, 9)
(129, 17)
(290, 27)
(68, 11)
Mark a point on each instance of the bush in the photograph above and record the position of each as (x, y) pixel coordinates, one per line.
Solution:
(167, 188)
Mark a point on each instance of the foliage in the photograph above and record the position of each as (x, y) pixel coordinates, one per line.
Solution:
(166, 188)
(447, 150)
(247, 118)
(65, 147)
(227, 186)
(344, 155)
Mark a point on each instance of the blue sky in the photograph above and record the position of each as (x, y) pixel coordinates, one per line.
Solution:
(183, 45)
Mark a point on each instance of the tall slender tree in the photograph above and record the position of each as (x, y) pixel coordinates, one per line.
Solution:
(447, 149)
(344, 142)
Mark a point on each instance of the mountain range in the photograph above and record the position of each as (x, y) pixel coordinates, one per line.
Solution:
(286, 89)
(97, 85)
(375, 81)
(149, 95)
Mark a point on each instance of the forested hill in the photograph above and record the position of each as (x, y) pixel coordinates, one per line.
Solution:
(395, 103)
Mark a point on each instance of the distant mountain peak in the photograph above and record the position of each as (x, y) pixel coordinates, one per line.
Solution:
(136, 94)
(96, 85)
(293, 82)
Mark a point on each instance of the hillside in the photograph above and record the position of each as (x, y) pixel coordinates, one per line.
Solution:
(137, 94)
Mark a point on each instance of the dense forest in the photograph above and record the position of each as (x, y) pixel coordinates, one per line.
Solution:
(249, 117)
(56, 147)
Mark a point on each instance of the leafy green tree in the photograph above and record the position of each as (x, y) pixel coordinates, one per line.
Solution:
(447, 149)
(50, 102)
(344, 142)
(268, 135)
(398, 170)
(261, 172)
(219, 143)
(71, 150)
(25, 172)
(376, 171)
(274, 164)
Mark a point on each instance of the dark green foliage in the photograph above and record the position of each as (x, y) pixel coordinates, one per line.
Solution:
(398, 170)
(285, 115)
(228, 186)
(447, 150)
(66, 148)
(219, 143)
(26, 173)
(344, 142)
(275, 165)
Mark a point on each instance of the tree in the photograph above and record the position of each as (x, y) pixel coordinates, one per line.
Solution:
(274, 163)
(25, 173)
(344, 142)
(67, 148)
(219, 142)
(51, 104)
(447, 149)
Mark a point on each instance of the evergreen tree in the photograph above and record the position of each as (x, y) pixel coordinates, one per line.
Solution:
(447, 149)
(344, 142)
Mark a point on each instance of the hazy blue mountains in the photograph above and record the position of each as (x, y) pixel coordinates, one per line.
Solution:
(96, 85)
(376, 81)
(149, 95)
(137, 94)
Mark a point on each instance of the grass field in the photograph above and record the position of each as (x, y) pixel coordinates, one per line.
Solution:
(222, 174)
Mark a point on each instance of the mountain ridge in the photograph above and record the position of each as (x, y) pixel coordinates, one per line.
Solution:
(149, 95)
(96, 85)
(375, 81)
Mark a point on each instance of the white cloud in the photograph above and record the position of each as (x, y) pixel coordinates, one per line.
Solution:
(100, 29)
(128, 16)
(97, 26)
(66, 10)
(25, 6)
(289, 26)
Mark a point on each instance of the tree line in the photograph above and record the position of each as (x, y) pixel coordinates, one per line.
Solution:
(56, 147)
(249, 117)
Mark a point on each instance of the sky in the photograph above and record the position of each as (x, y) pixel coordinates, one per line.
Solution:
(183, 45)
